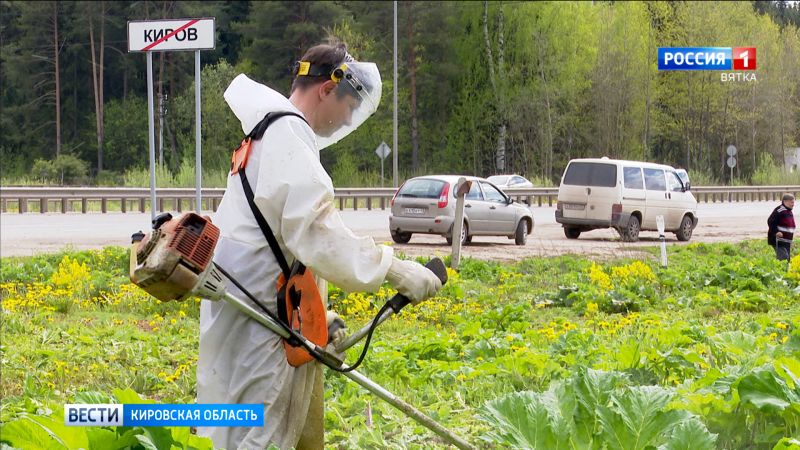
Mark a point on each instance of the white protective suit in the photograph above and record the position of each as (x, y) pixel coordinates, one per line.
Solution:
(241, 361)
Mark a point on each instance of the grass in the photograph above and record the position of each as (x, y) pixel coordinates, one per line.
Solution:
(72, 323)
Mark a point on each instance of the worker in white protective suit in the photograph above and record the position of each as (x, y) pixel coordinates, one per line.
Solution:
(241, 361)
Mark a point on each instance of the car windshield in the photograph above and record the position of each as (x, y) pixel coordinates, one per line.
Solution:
(421, 188)
(683, 175)
(498, 179)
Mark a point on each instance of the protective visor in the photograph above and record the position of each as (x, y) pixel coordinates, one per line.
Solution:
(362, 81)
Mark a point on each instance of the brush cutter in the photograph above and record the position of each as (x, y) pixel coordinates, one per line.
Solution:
(174, 262)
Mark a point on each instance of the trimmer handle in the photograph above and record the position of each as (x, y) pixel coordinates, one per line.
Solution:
(435, 265)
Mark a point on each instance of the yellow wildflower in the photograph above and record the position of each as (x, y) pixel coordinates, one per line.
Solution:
(599, 278)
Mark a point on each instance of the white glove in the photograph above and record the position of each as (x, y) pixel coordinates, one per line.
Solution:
(413, 280)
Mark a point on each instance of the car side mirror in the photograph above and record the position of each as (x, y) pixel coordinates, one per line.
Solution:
(509, 201)
(687, 187)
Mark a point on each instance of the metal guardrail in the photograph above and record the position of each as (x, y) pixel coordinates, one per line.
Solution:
(84, 199)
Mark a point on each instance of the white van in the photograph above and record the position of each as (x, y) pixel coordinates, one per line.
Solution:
(626, 195)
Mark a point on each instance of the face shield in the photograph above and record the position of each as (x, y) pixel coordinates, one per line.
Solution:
(358, 92)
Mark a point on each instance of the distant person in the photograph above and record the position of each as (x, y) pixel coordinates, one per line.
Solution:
(781, 228)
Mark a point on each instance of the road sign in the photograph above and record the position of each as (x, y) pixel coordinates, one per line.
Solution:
(731, 162)
(383, 150)
(731, 150)
(151, 36)
(171, 35)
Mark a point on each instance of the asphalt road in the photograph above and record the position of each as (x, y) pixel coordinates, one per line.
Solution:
(28, 234)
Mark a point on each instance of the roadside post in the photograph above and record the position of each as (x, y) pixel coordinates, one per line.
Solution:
(382, 151)
(150, 36)
(731, 161)
(663, 238)
(462, 187)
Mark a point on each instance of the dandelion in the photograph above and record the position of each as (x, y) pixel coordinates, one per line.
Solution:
(794, 269)
(591, 308)
(70, 273)
(635, 271)
(599, 278)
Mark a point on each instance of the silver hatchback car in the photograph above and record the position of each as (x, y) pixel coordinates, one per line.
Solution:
(427, 205)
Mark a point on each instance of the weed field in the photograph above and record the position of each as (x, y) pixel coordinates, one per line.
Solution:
(547, 353)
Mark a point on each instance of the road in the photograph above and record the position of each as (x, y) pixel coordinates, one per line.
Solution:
(28, 234)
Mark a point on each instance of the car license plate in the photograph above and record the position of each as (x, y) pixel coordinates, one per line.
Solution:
(575, 206)
(415, 210)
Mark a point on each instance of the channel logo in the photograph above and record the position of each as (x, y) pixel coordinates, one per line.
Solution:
(164, 415)
(707, 58)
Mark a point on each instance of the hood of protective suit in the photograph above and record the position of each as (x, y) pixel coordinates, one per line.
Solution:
(251, 101)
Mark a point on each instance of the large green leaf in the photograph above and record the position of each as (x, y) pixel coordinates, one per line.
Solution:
(72, 437)
(187, 440)
(93, 397)
(25, 433)
(765, 391)
(523, 420)
(636, 419)
(592, 389)
(128, 395)
(690, 434)
(789, 370)
(787, 444)
(105, 439)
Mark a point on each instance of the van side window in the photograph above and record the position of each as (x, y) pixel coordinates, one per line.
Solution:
(654, 180)
(633, 178)
(675, 184)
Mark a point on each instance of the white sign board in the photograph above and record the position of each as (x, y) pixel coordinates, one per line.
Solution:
(731, 150)
(171, 35)
(383, 150)
(731, 162)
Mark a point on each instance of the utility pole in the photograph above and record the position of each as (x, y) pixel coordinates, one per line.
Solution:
(394, 111)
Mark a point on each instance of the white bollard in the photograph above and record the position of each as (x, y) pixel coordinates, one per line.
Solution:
(661, 227)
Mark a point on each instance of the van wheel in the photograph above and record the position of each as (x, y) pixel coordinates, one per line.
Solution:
(464, 235)
(631, 232)
(521, 235)
(684, 233)
(401, 238)
(572, 232)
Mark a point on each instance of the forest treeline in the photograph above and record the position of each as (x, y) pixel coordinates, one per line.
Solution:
(484, 87)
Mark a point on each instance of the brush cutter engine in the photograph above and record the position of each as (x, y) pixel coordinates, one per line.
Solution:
(173, 262)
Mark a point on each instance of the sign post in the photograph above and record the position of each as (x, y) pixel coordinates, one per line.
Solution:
(462, 187)
(198, 142)
(663, 238)
(152, 135)
(172, 35)
(382, 151)
(731, 151)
